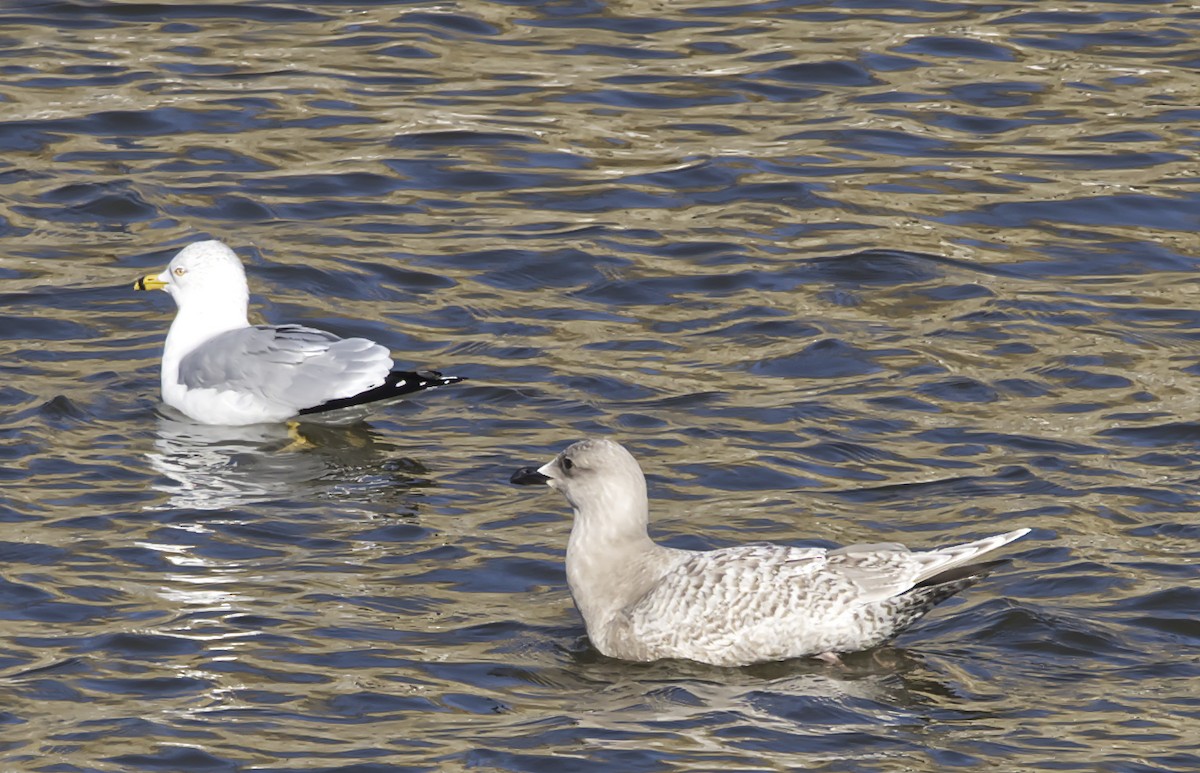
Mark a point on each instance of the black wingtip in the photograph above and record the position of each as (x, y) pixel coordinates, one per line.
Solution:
(398, 384)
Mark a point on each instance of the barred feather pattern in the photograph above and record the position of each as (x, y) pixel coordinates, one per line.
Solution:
(742, 605)
(738, 605)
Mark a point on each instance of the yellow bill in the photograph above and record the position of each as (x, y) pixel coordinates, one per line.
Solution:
(149, 282)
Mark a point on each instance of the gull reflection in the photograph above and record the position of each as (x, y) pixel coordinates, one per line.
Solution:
(207, 467)
(879, 687)
(216, 582)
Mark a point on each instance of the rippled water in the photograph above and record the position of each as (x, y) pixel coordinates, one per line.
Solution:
(844, 271)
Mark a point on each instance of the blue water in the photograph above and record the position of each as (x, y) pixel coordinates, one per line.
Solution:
(835, 272)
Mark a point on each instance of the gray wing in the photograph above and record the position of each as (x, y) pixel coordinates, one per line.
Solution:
(884, 570)
(286, 364)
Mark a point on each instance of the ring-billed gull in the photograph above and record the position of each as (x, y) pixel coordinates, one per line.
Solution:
(739, 605)
(217, 368)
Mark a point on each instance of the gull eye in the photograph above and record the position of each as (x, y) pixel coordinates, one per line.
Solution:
(179, 271)
(567, 463)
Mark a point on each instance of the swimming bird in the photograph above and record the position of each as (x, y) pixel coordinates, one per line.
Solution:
(738, 605)
(217, 368)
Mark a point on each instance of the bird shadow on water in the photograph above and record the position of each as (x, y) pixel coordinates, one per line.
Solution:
(206, 467)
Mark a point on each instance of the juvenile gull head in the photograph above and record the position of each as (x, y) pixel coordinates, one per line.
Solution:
(217, 368)
(600, 479)
(740, 605)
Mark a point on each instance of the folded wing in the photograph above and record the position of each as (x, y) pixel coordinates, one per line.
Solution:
(289, 364)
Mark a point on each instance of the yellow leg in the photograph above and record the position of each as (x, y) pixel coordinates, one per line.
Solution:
(299, 442)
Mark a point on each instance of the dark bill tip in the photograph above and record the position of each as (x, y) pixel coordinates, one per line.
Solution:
(150, 282)
(528, 476)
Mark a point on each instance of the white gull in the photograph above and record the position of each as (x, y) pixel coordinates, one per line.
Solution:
(217, 368)
(739, 605)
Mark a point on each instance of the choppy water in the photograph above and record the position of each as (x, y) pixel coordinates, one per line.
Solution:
(844, 271)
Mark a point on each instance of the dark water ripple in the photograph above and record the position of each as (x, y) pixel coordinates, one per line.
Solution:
(835, 272)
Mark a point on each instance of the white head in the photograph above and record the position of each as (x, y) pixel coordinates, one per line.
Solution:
(600, 479)
(207, 274)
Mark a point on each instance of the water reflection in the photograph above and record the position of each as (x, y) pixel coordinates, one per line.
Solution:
(852, 711)
(796, 692)
(214, 468)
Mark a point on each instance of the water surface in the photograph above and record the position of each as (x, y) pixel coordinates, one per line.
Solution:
(836, 272)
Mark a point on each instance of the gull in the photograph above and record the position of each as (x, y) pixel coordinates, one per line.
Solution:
(738, 605)
(217, 368)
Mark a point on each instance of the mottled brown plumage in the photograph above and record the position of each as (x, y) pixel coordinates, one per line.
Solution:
(738, 605)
